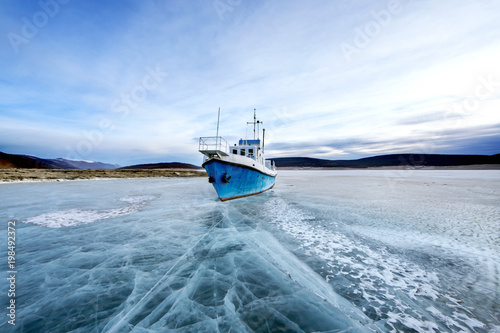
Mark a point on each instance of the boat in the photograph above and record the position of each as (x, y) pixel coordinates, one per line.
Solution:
(237, 171)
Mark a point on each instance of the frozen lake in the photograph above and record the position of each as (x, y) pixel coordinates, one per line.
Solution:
(324, 251)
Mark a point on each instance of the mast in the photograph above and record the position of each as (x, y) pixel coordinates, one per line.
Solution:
(258, 131)
(255, 122)
(217, 135)
(218, 118)
(263, 138)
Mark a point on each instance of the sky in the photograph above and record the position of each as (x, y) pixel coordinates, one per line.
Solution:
(131, 82)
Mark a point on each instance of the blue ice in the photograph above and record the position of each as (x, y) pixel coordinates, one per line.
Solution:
(322, 252)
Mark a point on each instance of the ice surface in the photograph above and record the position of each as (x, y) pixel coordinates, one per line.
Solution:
(416, 250)
(333, 251)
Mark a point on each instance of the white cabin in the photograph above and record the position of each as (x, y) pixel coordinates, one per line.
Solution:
(246, 152)
(248, 148)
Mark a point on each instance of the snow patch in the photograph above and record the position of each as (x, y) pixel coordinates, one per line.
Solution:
(73, 217)
(75, 160)
(137, 200)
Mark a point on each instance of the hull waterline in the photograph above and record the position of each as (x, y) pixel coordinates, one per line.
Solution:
(232, 181)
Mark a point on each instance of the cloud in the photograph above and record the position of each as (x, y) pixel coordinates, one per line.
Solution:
(476, 140)
(415, 79)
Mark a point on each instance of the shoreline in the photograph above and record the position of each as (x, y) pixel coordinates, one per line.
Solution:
(14, 175)
(10, 175)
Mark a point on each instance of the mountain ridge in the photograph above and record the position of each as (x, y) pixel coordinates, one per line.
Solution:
(164, 165)
(33, 162)
(78, 164)
(30, 162)
(390, 160)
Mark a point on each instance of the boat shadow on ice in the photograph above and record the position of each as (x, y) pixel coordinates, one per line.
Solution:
(238, 278)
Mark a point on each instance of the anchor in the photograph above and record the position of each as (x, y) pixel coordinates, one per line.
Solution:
(225, 178)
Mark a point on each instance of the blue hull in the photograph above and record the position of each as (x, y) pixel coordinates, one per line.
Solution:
(241, 181)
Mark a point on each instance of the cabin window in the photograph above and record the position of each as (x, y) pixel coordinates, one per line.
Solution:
(250, 151)
(242, 152)
(235, 151)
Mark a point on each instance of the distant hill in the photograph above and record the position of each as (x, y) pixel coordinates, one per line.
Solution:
(169, 165)
(416, 160)
(394, 160)
(86, 164)
(32, 162)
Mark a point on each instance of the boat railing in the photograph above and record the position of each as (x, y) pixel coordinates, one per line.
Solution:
(270, 165)
(213, 144)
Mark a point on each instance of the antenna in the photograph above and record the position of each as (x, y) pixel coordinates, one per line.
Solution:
(255, 121)
(263, 138)
(217, 135)
(218, 118)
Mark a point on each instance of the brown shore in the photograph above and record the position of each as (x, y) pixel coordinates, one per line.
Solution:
(11, 174)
